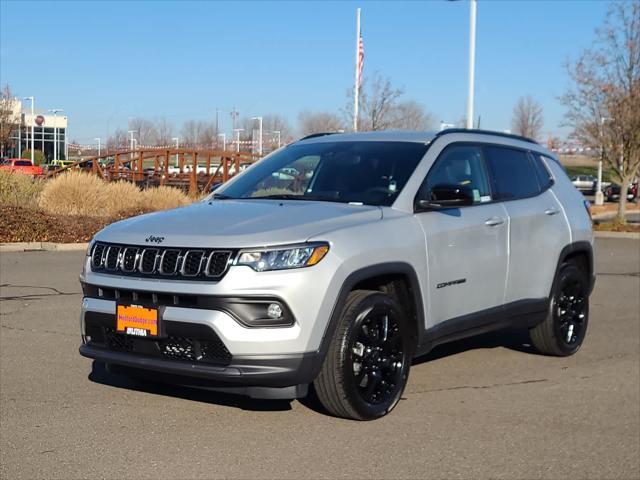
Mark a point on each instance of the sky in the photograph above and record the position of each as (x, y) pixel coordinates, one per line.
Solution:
(106, 62)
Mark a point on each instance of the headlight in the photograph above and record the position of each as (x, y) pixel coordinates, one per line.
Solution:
(299, 256)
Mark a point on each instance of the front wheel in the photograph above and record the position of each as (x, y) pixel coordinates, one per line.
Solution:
(367, 365)
(563, 331)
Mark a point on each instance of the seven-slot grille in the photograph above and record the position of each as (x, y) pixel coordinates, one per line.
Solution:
(186, 263)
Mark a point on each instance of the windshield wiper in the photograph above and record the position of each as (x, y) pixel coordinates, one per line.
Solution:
(285, 196)
(222, 196)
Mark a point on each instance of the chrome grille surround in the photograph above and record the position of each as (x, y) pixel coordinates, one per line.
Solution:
(161, 262)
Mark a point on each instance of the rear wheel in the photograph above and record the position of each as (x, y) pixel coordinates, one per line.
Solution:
(565, 327)
(367, 365)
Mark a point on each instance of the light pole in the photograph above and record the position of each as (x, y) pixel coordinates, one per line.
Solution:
(176, 139)
(472, 61)
(237, 132)
(97, 139)
(260, 134)
(33, 121)
(599, 197)
(131, 132)
(55, 132)
(224, 140)
(278, 133)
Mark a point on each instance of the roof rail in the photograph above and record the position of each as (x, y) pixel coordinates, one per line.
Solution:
(486, 132)
(320, 134)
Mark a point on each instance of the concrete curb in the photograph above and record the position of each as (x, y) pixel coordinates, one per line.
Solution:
(631, 235)
(42, 247)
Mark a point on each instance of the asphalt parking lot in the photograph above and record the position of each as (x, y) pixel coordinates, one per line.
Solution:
(481, 408)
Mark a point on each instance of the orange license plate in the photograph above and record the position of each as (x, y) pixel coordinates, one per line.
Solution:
(138, 321)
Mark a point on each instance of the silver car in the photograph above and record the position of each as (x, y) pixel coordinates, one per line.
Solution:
(338, 259)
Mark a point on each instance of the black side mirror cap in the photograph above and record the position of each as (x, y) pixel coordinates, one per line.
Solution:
(446, 196)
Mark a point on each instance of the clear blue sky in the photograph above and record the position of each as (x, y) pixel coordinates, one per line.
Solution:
(103, 62)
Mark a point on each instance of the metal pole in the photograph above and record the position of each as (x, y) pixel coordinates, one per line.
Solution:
(224, 140)
(599, 196)
(278, 132)
(356, 87)
(98, 140)
(20, 136)
(260, 133)
(131, 132)
(33, 133)
(472, 62)
(237, 132)
(176, 139)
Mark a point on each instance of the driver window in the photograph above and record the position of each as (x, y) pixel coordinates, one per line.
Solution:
(460, 165)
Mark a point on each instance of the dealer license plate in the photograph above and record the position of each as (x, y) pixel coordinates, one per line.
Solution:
(137, 321)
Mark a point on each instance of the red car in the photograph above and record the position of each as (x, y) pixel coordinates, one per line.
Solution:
(20, 165)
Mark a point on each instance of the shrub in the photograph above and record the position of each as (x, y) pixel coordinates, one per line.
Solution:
(122, 198)
(38, 156)
(75, 193)
(18, 190)
(163, 198)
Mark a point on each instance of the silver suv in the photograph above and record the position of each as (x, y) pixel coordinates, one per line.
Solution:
(338, 259)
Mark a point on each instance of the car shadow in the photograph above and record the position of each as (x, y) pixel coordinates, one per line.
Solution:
(511, 338)
(100, 374)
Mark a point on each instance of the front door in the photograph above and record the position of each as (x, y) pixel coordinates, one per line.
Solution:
(467, 247)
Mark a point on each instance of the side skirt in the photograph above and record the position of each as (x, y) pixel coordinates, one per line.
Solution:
(523, 313)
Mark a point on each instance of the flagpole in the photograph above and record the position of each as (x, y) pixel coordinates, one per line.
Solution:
(356, 89)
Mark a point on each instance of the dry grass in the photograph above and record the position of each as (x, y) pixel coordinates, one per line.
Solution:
(78, 193)
(163, 198)
(18, 190)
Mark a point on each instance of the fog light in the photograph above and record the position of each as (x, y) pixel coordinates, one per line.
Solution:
(274, 310)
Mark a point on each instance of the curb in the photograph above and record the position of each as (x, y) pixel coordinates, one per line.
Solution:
(42, 247)
(629, 235)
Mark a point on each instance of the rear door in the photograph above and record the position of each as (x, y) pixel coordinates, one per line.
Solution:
(538, 229)
(467, 247)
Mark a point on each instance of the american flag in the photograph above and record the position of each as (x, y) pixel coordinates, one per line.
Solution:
(360, 60)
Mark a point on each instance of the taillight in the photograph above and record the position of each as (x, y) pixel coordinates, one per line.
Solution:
(587, 205)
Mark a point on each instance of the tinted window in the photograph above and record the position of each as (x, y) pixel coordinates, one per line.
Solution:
(22, 163)
(368, 172)
(460, 165)
(513, 173)
(542, 174)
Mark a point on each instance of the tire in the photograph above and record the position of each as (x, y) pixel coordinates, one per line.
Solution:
(367, 364)
(563, 331)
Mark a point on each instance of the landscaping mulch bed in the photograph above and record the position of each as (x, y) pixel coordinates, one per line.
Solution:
(29, 225)
(616, 227)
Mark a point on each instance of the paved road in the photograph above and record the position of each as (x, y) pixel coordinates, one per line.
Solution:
(475, 409)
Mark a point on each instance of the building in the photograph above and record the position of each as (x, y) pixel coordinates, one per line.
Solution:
(49, 132)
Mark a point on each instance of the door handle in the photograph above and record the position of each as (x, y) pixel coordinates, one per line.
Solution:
(551, 211)
(494, 221)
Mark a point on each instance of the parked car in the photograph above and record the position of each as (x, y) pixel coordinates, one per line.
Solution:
(20, 165)
(396, 243)
(612, 192)
(584, 183)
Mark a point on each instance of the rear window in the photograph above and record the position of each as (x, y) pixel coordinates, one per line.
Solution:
(22, 163)
(513, 173)
(545, 180)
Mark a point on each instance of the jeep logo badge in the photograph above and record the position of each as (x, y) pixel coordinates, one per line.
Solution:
(153, 239)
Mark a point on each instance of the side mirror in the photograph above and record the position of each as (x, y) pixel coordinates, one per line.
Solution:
(446, 196)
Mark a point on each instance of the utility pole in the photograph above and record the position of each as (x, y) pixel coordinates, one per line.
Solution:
(260, 135)
(33, 133)
(224, 140)
(472, 61)
(234, 115)
(176, 139)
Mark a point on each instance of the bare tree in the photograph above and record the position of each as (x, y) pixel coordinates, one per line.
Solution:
(603, 106)
(146, 131)
(318, 122)
(527, 118)
(164, 131)
(9, 118)
(117, 140)
(410, 115)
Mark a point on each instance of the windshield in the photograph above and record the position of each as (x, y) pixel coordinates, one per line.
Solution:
(372, 173)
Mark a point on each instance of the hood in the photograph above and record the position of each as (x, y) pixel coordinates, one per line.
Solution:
(239, 223)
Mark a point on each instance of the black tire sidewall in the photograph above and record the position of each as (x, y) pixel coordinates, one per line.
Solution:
(355, 318)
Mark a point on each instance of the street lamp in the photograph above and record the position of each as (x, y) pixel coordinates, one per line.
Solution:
(599, 197)
(176, 139)
(97, 139)
(33, 121)
(55, 132)
(224, 140)
(278, 133)
(260, 137)
(237, 132)
(131, 132)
